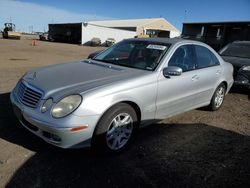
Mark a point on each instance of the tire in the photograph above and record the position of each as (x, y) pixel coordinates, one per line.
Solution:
(115, 129)
(218, 97)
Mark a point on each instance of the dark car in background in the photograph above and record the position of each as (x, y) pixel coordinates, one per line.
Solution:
(238, 54)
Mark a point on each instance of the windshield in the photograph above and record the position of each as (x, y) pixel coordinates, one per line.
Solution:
(144, 55)
(237, 50)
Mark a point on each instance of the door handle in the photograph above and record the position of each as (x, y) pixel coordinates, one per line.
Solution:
(218, 72)
(195, 78)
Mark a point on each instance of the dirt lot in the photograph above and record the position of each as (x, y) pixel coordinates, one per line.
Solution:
(195, 149)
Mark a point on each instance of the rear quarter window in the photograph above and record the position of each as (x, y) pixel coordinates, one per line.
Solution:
(205, 58)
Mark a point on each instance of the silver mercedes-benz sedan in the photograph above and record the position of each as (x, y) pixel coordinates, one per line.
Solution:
(103, 100)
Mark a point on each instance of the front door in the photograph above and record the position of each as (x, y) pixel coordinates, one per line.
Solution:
(178, 93)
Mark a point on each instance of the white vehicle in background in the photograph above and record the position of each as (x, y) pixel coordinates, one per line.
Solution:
(44, 36)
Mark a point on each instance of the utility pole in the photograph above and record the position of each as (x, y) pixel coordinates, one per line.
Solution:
(185, 16)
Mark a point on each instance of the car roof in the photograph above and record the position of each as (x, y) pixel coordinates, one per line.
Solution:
(163, 40)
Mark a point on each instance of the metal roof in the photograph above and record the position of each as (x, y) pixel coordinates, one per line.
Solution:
(131, 23)
(163, 40)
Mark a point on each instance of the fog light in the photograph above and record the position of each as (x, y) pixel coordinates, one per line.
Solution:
(55, 138)
(51, 136)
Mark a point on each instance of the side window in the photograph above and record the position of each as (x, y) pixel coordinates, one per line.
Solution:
(183, 57)
(205, 58)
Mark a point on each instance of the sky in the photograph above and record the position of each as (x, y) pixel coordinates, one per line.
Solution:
(35, 15)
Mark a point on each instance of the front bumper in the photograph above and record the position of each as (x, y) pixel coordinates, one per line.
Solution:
(242, 79)
(57, 132)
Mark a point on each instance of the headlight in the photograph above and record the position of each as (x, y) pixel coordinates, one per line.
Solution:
(246, 68)
(66, 106)
(46, 105)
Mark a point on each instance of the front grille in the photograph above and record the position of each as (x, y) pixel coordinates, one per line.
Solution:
(28, 95)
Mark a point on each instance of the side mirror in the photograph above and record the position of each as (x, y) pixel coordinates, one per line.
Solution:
(172, 71)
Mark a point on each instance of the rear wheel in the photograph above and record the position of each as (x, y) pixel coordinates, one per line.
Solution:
(116, 128)
(218, 97)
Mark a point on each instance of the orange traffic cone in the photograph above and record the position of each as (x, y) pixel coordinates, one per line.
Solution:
(33, 42)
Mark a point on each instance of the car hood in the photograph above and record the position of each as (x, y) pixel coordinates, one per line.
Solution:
(78, 77)
(237, 62)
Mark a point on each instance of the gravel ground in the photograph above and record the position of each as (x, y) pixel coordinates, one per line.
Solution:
(195, 149)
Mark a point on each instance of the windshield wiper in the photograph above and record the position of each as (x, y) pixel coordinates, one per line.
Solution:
(104, 61)
(114, 63)
(124, 65)
(110, 62)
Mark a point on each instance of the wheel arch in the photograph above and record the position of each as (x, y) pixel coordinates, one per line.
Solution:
(226, 85)
(134, 105)
(219, 83)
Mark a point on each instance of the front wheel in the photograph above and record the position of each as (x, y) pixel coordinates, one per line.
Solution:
(218, 97)
(116, 128)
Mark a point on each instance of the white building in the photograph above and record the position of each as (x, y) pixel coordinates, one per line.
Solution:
(117, 29)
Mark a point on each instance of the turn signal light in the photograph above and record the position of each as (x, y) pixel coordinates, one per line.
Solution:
(79, 128)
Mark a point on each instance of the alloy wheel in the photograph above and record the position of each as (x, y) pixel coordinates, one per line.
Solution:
(219, 97)
(119, 131)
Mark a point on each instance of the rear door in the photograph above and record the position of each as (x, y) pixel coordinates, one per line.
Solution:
(208, 73)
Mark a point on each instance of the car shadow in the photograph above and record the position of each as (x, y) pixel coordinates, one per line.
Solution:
(161, 155)
(10, 128)
(240, 90)
(234, 89)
